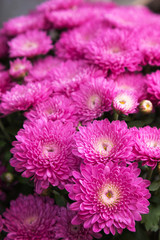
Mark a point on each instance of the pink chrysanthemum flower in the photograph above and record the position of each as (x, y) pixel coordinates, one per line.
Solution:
(153, 86)
(109, 197)
(93, 98)
(125, 102)
(71, 17)
(57, 4)
(19, 67)
(21, 97)
(67, 77)
(72, 43)
(128, 17)
(115, 50)
(30, 217)
(3, 46)
(149, 44)
(44, 150)
(131, 82)
(5, 82)
(102, 141)
(22, 24)
(65, 230)
(41, 68)
(147, 145)
(56, 108)
(30, 44)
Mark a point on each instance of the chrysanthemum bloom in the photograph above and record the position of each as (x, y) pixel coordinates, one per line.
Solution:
(19, 67)
(68, 76)
(74, 17)
(125, 102)
(146, 106)
(30, 217)
(30, 44)
(93, 98)
(128, 17)
(73, 43)
(131, 82)
(102, 141)
(65, 230)
(3, 46)
(149, 44)
(109, 197)
(22, 24)
(21, 97)
(57, 4)
(56, 108)
(44, 150)
(41, 68)
(147, 145)
(153, 87)
(5, 82)
(115, 50)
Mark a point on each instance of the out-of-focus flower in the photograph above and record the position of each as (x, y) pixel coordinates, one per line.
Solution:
(30, 44)
(19, 67)
(30, 217)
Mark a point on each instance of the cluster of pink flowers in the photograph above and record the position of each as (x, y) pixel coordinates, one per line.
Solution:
(66, 90)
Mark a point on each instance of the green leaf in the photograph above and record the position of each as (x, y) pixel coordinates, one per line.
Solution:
(151, 220)
(154, 186)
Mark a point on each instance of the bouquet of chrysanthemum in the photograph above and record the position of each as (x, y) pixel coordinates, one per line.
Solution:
(80, 119)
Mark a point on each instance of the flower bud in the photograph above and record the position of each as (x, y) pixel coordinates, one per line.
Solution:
(146, 106)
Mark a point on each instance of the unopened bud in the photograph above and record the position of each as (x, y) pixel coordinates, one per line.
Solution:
(146, 106)
(8, 177)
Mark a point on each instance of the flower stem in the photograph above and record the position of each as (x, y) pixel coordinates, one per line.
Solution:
(115, 116)
(150, 172)
(4, 132)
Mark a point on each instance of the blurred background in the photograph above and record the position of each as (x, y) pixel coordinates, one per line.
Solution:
(12, 8)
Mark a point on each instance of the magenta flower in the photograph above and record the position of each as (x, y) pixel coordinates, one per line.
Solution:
(41, 68)
(93, 98)
(147, 145)
(56, 108)
(72, 44)
(44, 150)
(30, 44)
(30, 217)
(129, 17)
(21, 97)
(125, 102)
(149, 44)
(57, 4)
(69, 18)
(102, 141)
(153, 86)
(131, 82)
(109, 197)
(115, 50)
(19, 67)
(65, 230)
(22, 24)
(68, 76)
